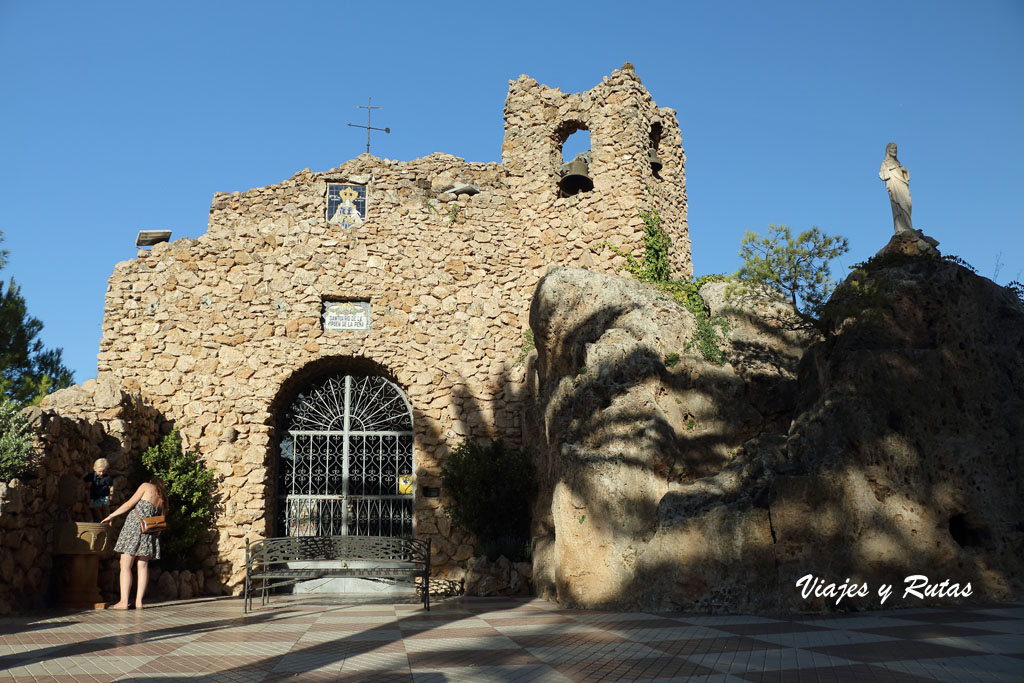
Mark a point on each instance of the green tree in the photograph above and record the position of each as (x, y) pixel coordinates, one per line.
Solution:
(27, 371)
(15, 440)
(793, 270)
(190, 496)
(491, 489)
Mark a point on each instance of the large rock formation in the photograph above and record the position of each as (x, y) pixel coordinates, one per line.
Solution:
(632, 415)
(717, 488)
(908, 446)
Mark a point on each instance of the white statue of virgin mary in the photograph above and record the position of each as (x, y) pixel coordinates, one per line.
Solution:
(897, 183)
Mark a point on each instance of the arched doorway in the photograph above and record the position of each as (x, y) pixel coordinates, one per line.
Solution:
(346, 460)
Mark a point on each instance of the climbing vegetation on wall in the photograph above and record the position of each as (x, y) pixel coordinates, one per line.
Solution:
(653, 267)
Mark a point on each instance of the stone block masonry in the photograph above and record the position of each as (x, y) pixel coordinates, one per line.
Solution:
(220, 334)
(74, 427)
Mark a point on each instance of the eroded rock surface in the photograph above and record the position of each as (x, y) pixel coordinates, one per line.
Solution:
(627, 430)
(715, 488)
(909, 436)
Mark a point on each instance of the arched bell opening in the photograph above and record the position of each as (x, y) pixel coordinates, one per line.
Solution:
(573, 144)
(652, 154)
(343, 453)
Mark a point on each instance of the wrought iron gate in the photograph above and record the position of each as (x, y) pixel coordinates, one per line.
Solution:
(346, 461)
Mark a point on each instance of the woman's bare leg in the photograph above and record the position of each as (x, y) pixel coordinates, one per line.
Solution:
(126, 581)
(143, 569)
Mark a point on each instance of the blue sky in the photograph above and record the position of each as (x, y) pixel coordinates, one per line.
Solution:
(121, 116)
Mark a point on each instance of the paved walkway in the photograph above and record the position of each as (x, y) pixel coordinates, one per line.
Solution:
(315, 638)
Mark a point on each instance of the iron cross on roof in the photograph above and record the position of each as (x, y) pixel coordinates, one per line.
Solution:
(368, 127)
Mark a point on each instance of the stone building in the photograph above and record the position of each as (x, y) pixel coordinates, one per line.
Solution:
(331, 337)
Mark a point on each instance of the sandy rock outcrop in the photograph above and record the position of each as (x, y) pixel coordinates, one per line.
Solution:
(631, 414)
(717, 488)
(909, 443)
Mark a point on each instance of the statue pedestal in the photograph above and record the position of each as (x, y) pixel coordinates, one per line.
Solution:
(911, 243)
(80, 546)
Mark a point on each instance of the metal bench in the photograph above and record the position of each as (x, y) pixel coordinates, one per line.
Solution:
(267, 561)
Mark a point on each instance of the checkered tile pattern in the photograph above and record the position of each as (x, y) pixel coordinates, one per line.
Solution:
(319, 639)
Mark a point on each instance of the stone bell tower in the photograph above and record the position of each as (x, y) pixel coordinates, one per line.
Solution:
(629, 134)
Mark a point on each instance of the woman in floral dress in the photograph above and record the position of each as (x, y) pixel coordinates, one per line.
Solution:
(150, 499)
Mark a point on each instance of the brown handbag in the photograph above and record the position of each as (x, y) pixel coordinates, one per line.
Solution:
(154, 524)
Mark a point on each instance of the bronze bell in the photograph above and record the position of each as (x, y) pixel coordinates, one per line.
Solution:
(575, 176)
(655, 160)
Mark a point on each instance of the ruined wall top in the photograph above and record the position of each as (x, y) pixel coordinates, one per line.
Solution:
(624, 125)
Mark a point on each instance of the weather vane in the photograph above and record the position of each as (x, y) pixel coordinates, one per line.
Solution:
(368, 127)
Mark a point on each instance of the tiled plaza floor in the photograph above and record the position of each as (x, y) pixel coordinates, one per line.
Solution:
(325, 638)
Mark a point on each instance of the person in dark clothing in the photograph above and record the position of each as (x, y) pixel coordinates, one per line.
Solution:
(101, 489)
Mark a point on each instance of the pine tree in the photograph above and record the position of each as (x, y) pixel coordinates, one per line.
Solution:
(27, 370)
(793, 270)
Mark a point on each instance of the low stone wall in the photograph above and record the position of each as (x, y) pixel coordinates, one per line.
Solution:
(500, 577)
(175, 584)
(74, 427)
(23, 570)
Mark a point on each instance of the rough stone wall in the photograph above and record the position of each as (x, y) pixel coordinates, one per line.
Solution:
(620, 115)
(221, 332)
(75, 427)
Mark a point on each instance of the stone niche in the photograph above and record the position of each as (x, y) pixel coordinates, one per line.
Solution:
(221, 334)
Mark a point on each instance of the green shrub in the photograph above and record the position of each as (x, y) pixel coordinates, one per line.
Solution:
(862, 297)
(706, 339)
(15, 440)
(491, 489)
(515, 548)
(893, 260)
(190, 496)
(953, 258)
